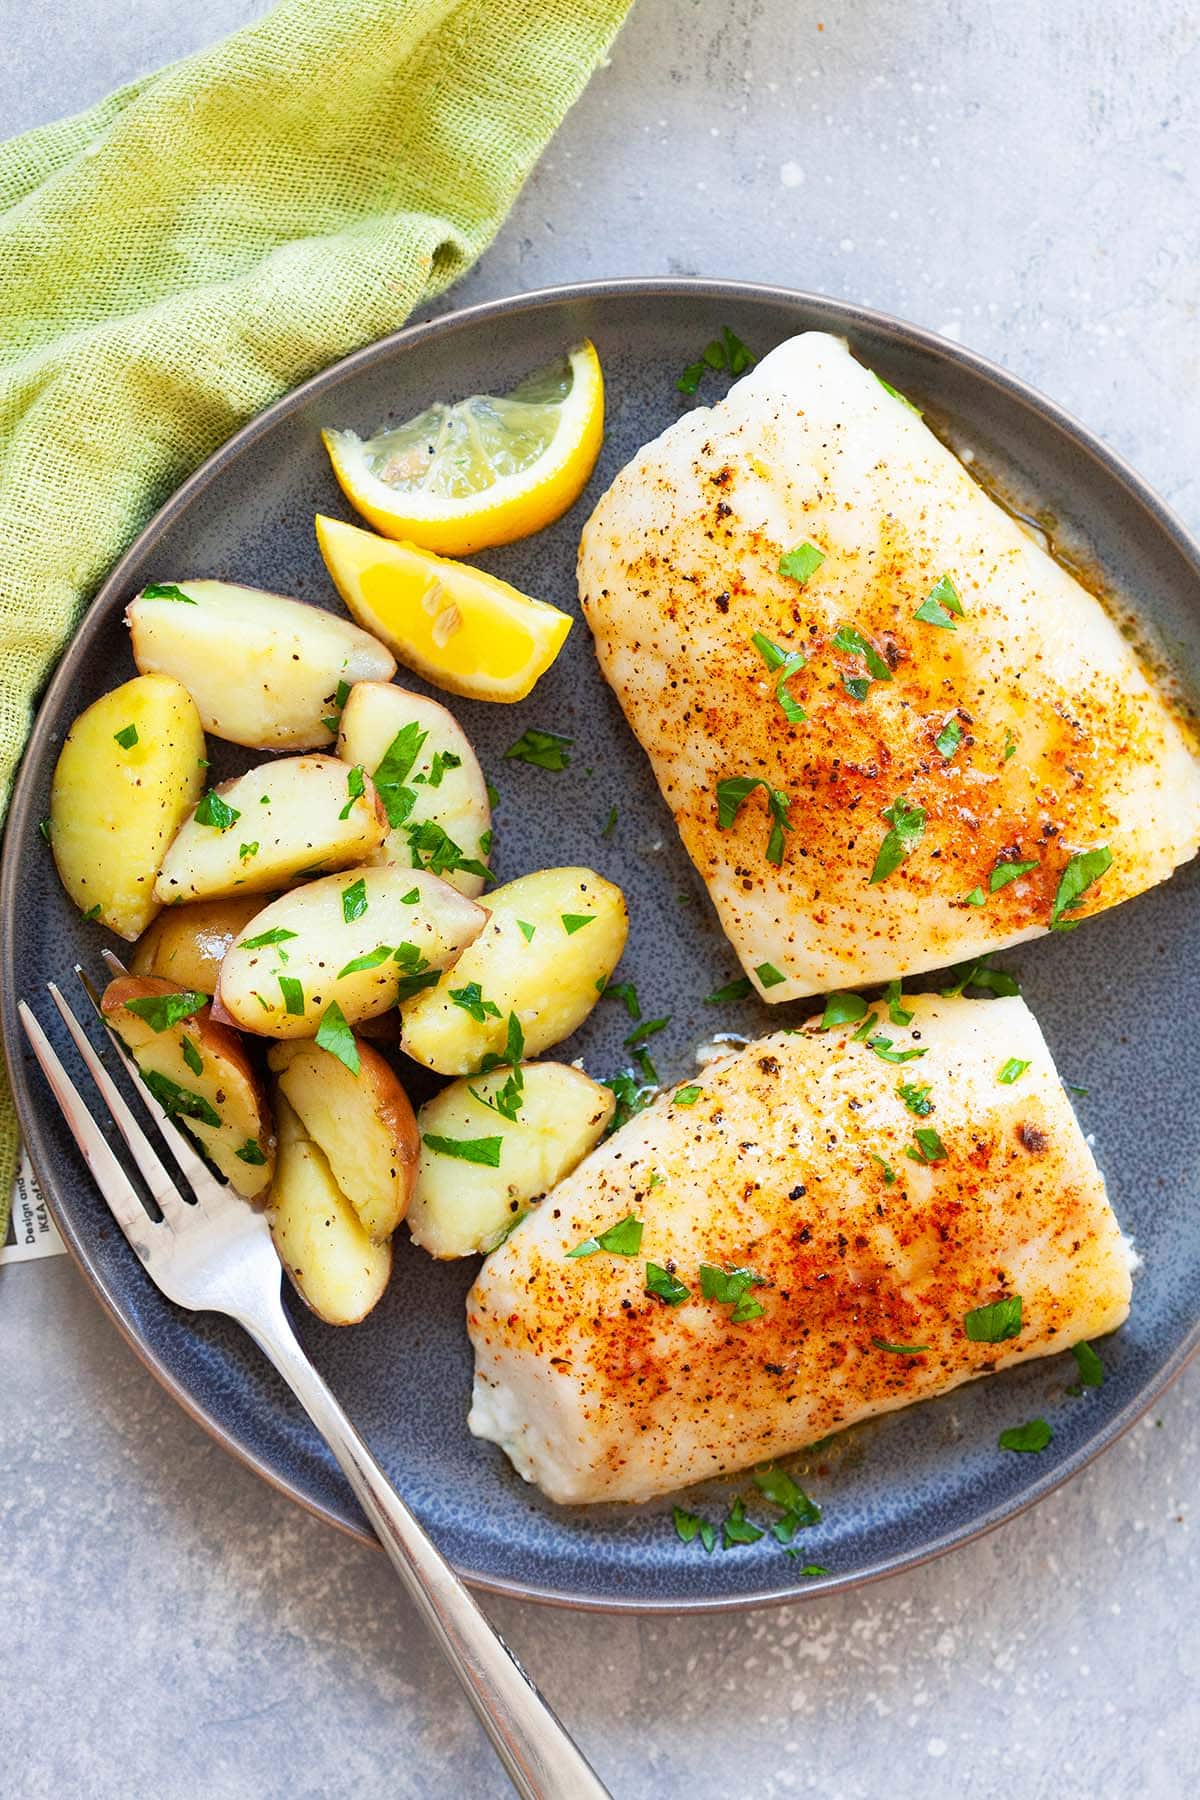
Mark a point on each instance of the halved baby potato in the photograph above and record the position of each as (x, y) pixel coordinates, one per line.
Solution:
(198, 1070)
(187, 944)
(551, 942)
(362, 1124)
(460, 1205)
(264, 670)
(302, 815)
(428, 778)
(334, 1266)
(130, 770)
(359, 939)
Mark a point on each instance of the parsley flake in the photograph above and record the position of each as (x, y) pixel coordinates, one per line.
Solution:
(1084, 868)
(941, 606)
(573, 922)
(802, 563)
(737, 1528)
(993, 1323)
(166, 590)
(484, 1151)
(622, 1239)
(278, 936)
(180, 1102)
(191, 1055)
(161, 1011)
(769, 976)
(251, 1152)
(213, 811)
(686, 1096)
(1012, 1071)
(949, 738)
(883, 1048)
(690, 1526)
(664, 1285)
(354, 900)
(526, 929)
(1091, 1369)
(394, 770)
(842, 1009)
(732, 794)
(1029, 1439)
(899, 1349)
(127, 737)
(541, 749)
(370, 959)
(471, 999)
(783, 664)
(1005, 872)
(915, 1095)
(355, 789)
(907, 828)
(929, 1147)
(741, 989)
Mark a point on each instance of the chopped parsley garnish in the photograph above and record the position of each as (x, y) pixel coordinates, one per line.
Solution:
(842, 1009)
(1010, 745)
(801, 563)
(573, 922)
(394, 770)
(161, 1011)
(949, 738)
(278, 936)
(507, 1100)
(689, 1526)
(624, 991)
(730, 1287)
(741, 989)
(797, 1509)
(857, 686)
(411, 898)
(647, 1028)
(882, 1046)
(127, 737)
(664, 1285)
(471, 999)
(1091, 1369)
(908, 826)
(167, 590)
(865, 1029)
(769, 975)
(191, 1055)
(332, 721)
(622, 1239)
(251, 1152)
(889, 1174)
(541, 749)
(355, 789)
(1084, 868)
(847, 638)
(180, 1102)
(737, 1528)
(904, 401)
(817, 1568)
(441, 853)
(974, 898)
(44, 830)
(929, 1146)
(335, 1035)
(899, 1349)
(1029, 1438)
(442, 760)
(894, 999)
(415, 981)
(354, 900)
(994, 1323)
(1012, 1071)
(646, 1067)
(783, 664)
(631, 1095)
(293, 994)
(735, 790)
(484, 1151)
(725, 354)
(915, 1095)
(245, 850)
(686, 1096)
(610, 824)
(370, 959)
(1005, 872)
(213, 811)
(941, 605)
(526, 929)
(980, 974)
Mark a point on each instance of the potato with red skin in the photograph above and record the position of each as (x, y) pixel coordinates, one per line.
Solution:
(187, 944)
(330, 1260)
(362, 1124)
(199, 1070)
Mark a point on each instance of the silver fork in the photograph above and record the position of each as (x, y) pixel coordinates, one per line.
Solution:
(216, 1255)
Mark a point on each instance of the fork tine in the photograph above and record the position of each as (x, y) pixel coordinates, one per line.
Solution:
(166, 1194)
(204, 1185)
(109, 1176)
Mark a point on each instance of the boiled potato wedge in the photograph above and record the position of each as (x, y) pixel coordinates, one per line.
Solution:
(186, 944)
(264, 670)
(199, 1072)
(362, 1124)
(460, 1207)
(429, 781)
(552, 941)
(332, 1263)
(129, 772)
(359, 939)
(300, 815)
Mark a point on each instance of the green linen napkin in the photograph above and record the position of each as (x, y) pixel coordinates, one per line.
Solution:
(193, 246)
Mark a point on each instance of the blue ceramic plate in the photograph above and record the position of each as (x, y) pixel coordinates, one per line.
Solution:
(1118, 1000)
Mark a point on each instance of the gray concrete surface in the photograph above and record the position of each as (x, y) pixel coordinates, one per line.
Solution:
(1025, 178)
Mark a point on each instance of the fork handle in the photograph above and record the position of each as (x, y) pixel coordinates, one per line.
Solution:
(540, 1757)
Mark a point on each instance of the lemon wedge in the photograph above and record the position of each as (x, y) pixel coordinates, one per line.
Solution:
(487, 469)
(457, 626)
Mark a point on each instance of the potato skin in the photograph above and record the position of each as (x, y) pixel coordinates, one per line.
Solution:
(227, 1080)
(114, 809)
(362, 1124)
(549, 979)
(187, 944)
(329, 1259)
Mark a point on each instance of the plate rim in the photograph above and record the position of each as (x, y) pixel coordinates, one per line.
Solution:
(841, 315)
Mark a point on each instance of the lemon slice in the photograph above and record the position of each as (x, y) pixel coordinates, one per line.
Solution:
(485, 470)
(462, 629)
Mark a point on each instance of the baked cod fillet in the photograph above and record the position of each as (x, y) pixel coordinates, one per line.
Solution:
(792, 1165)
(958, 701)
